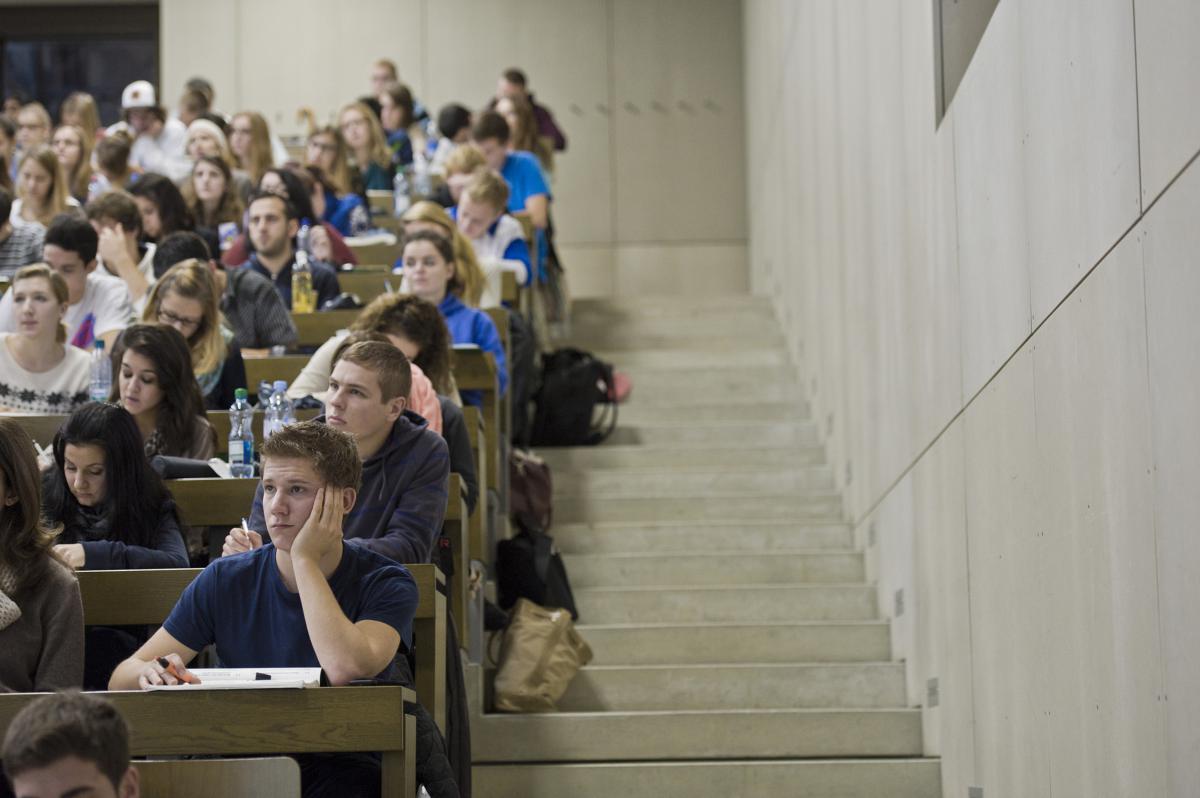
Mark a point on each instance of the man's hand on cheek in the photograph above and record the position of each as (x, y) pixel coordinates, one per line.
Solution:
(322, 532)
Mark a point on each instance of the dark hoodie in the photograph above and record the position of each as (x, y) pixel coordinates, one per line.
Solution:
(402, 499)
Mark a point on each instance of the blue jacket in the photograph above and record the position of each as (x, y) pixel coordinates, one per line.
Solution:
(470, 326)
(402, 499)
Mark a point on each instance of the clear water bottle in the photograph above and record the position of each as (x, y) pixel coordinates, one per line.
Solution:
(279, 410)
(422, 178)
(400, 193)
(241, 435)
(101, 385)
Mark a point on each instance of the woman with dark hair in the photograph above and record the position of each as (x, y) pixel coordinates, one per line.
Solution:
(156, 385)
(430, 273)
(41, 615)
(297, 187)
(98, 451)
(396, 115)
(346, 212)
(115, 512)
(413, 326)
(162, 207)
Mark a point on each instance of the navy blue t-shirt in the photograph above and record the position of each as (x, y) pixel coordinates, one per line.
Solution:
(241, 604)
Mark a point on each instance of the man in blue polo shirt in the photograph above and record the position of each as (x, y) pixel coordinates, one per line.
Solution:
(272, 228)
(306, 599)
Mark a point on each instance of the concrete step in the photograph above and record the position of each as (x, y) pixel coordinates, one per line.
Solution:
(812, 778)
(730, 382)
(670, 482)
(675, 536)
(668, 305)
(634, 736)
(626, 688)
(681, 360)
(695, 644)
(709, 387)
(713, 568)
(725, 604)
(779, 507)
(734, 434)
(679, 457)
(616, 338)
(641, 411)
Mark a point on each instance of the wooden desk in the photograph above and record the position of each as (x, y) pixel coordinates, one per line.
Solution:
(510, 290)
(108, 601)
(222, 722)
(213, 501)
(375, 253)
(263, 777)
(369, 283)
(275, 367)
(40, 427)
(455, 528)
(315, 329)
(475, 370)
(477, 547)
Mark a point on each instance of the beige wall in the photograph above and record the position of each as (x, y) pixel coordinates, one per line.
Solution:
(650, 194)
(998, 322)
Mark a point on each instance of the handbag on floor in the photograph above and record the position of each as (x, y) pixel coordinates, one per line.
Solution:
(540, 653)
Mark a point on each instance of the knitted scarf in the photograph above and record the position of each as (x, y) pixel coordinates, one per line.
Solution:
(9, 611)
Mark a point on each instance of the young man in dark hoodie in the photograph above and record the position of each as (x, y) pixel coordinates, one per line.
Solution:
(406, 466)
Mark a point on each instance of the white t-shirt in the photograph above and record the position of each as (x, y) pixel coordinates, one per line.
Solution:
(105, 302)
(59, 390)
(14, 215)
(489, 251)
(164, 153)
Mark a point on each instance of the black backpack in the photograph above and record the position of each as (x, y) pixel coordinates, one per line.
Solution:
(529, 566)
(573, 383)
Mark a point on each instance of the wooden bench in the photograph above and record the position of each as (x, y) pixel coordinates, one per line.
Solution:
(375, 253)
(369, 283)
(477, 539)
(475, 370)
(275, 367)
(228, 722)
(455, 526)
(108, 601)
(314, 329)
(263, 777)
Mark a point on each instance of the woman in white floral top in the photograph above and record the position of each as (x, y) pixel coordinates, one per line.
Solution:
(39, 372)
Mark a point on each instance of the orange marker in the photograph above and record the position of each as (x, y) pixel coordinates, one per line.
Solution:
(169, 667)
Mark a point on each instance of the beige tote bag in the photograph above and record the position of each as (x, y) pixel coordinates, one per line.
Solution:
(539, 655)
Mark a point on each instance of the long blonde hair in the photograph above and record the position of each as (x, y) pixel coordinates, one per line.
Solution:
(56, 201)
(79, 179)
(192, 279)
(259, 158)
(83, 106)
(467, 266)
(377, 149)
(339, 175)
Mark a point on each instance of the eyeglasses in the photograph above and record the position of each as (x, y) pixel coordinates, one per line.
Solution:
(167, 317)
(316, 145)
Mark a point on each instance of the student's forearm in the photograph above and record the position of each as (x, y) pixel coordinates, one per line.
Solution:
(344, 651)
(538, 209)
(135, 281)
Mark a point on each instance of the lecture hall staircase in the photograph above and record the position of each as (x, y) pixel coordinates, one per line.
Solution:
(738, 647)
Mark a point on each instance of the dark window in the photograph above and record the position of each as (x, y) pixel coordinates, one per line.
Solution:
(47, 52)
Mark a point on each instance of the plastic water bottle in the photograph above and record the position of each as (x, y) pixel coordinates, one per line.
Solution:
(400, 193)
(101, 385)
(422, 179)
(279, 410)
(241, 435)
(304, 298)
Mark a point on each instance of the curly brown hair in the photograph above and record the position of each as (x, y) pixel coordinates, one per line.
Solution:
(419, 321)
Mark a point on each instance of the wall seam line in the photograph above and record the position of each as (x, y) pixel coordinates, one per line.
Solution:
(1137, 107)
(1025, 342)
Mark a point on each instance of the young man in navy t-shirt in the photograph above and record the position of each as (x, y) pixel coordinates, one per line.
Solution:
(307, 598)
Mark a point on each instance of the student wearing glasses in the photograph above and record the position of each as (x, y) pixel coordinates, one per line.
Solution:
(187, 298)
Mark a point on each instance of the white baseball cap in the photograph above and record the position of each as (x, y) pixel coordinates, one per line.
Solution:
(139, 94)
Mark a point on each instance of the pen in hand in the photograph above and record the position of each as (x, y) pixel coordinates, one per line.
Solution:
(246, 531)
(169, 667)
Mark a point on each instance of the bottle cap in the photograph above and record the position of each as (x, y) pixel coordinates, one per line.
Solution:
(99, 343)
(280, 385)
(240, 393)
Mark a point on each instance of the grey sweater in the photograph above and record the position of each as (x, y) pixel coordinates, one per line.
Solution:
(43, 650)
